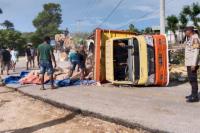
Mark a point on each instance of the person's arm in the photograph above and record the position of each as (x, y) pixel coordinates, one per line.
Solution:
(26, 52)
(53, 58)
(196, 43)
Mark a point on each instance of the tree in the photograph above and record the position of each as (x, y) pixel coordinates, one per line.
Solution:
(1, 11)
(80, 36)
(192, 12)
(48, 21)
(8, 25)
(148, 30)
(183, 21)
(132, 28)
(172, 23)
(11, 38)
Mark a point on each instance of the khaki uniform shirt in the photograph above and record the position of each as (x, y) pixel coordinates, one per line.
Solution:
(192, 51)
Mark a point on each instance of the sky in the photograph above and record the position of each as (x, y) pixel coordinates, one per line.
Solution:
(86, 15)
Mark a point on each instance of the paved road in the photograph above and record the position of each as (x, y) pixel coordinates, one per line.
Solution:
(22, 114)
(155, 108)
(161, 108)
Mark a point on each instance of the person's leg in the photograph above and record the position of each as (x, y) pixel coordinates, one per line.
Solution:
(42, 72)
(82, 66)
(82, 74)
(195, 82)
(27, 62)
(50, 71)
(42, 82)
(2, 67)
(7, 67)
(52, 82)
(72, 69)
(14, 65)
(192, 76)
(33, 62)
(31, 65)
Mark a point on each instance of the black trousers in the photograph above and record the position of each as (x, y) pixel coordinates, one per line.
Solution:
(192, 76)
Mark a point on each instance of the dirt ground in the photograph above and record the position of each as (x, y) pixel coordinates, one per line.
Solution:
(22, 114)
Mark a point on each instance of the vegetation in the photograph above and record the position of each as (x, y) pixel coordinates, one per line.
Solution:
(47, 22)
(8, 25)
(177, 57)
(11, 38)
(172, 23)
(188, 13)
(183, 21)
(80, 37)
(192, 13)
(148, 30)
(132, 28)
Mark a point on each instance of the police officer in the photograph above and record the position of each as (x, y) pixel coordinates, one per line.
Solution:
(192, 61)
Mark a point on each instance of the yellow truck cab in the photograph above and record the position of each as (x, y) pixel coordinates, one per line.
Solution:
(116, 61)
(126, 60)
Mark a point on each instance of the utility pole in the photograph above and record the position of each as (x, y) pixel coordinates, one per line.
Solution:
(162, 16)
(78, 24)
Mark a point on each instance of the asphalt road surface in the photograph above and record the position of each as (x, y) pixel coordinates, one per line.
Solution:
(22, 114)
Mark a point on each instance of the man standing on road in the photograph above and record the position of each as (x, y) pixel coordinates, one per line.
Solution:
(33, 54)
(5, 60)
(192, 62)
(28, 56)
(45, 58)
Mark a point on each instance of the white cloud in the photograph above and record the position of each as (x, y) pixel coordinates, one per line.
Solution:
(143, 8)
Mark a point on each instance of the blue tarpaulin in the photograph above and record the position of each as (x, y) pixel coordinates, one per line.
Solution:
(58, 83)
(72, 82)
(15, 79)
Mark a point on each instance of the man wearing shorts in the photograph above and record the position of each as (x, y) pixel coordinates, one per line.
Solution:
(45, 58)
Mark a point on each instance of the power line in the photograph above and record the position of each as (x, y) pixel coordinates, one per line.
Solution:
(111, 13)
(90, 4)
(145, 15)
(84, 12)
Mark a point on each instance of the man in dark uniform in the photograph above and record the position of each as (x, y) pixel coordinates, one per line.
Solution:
(192, 62)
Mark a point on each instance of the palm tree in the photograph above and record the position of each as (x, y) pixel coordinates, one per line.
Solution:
(148, 30)
(183, 20)
(132, 28)
(8, 25)
(192, 12)
(172, 24)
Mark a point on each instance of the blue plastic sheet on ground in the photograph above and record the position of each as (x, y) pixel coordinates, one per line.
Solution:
(73, 82)
(15, 79)
(58, 83)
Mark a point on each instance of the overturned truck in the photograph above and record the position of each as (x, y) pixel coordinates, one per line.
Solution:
(123, 57)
